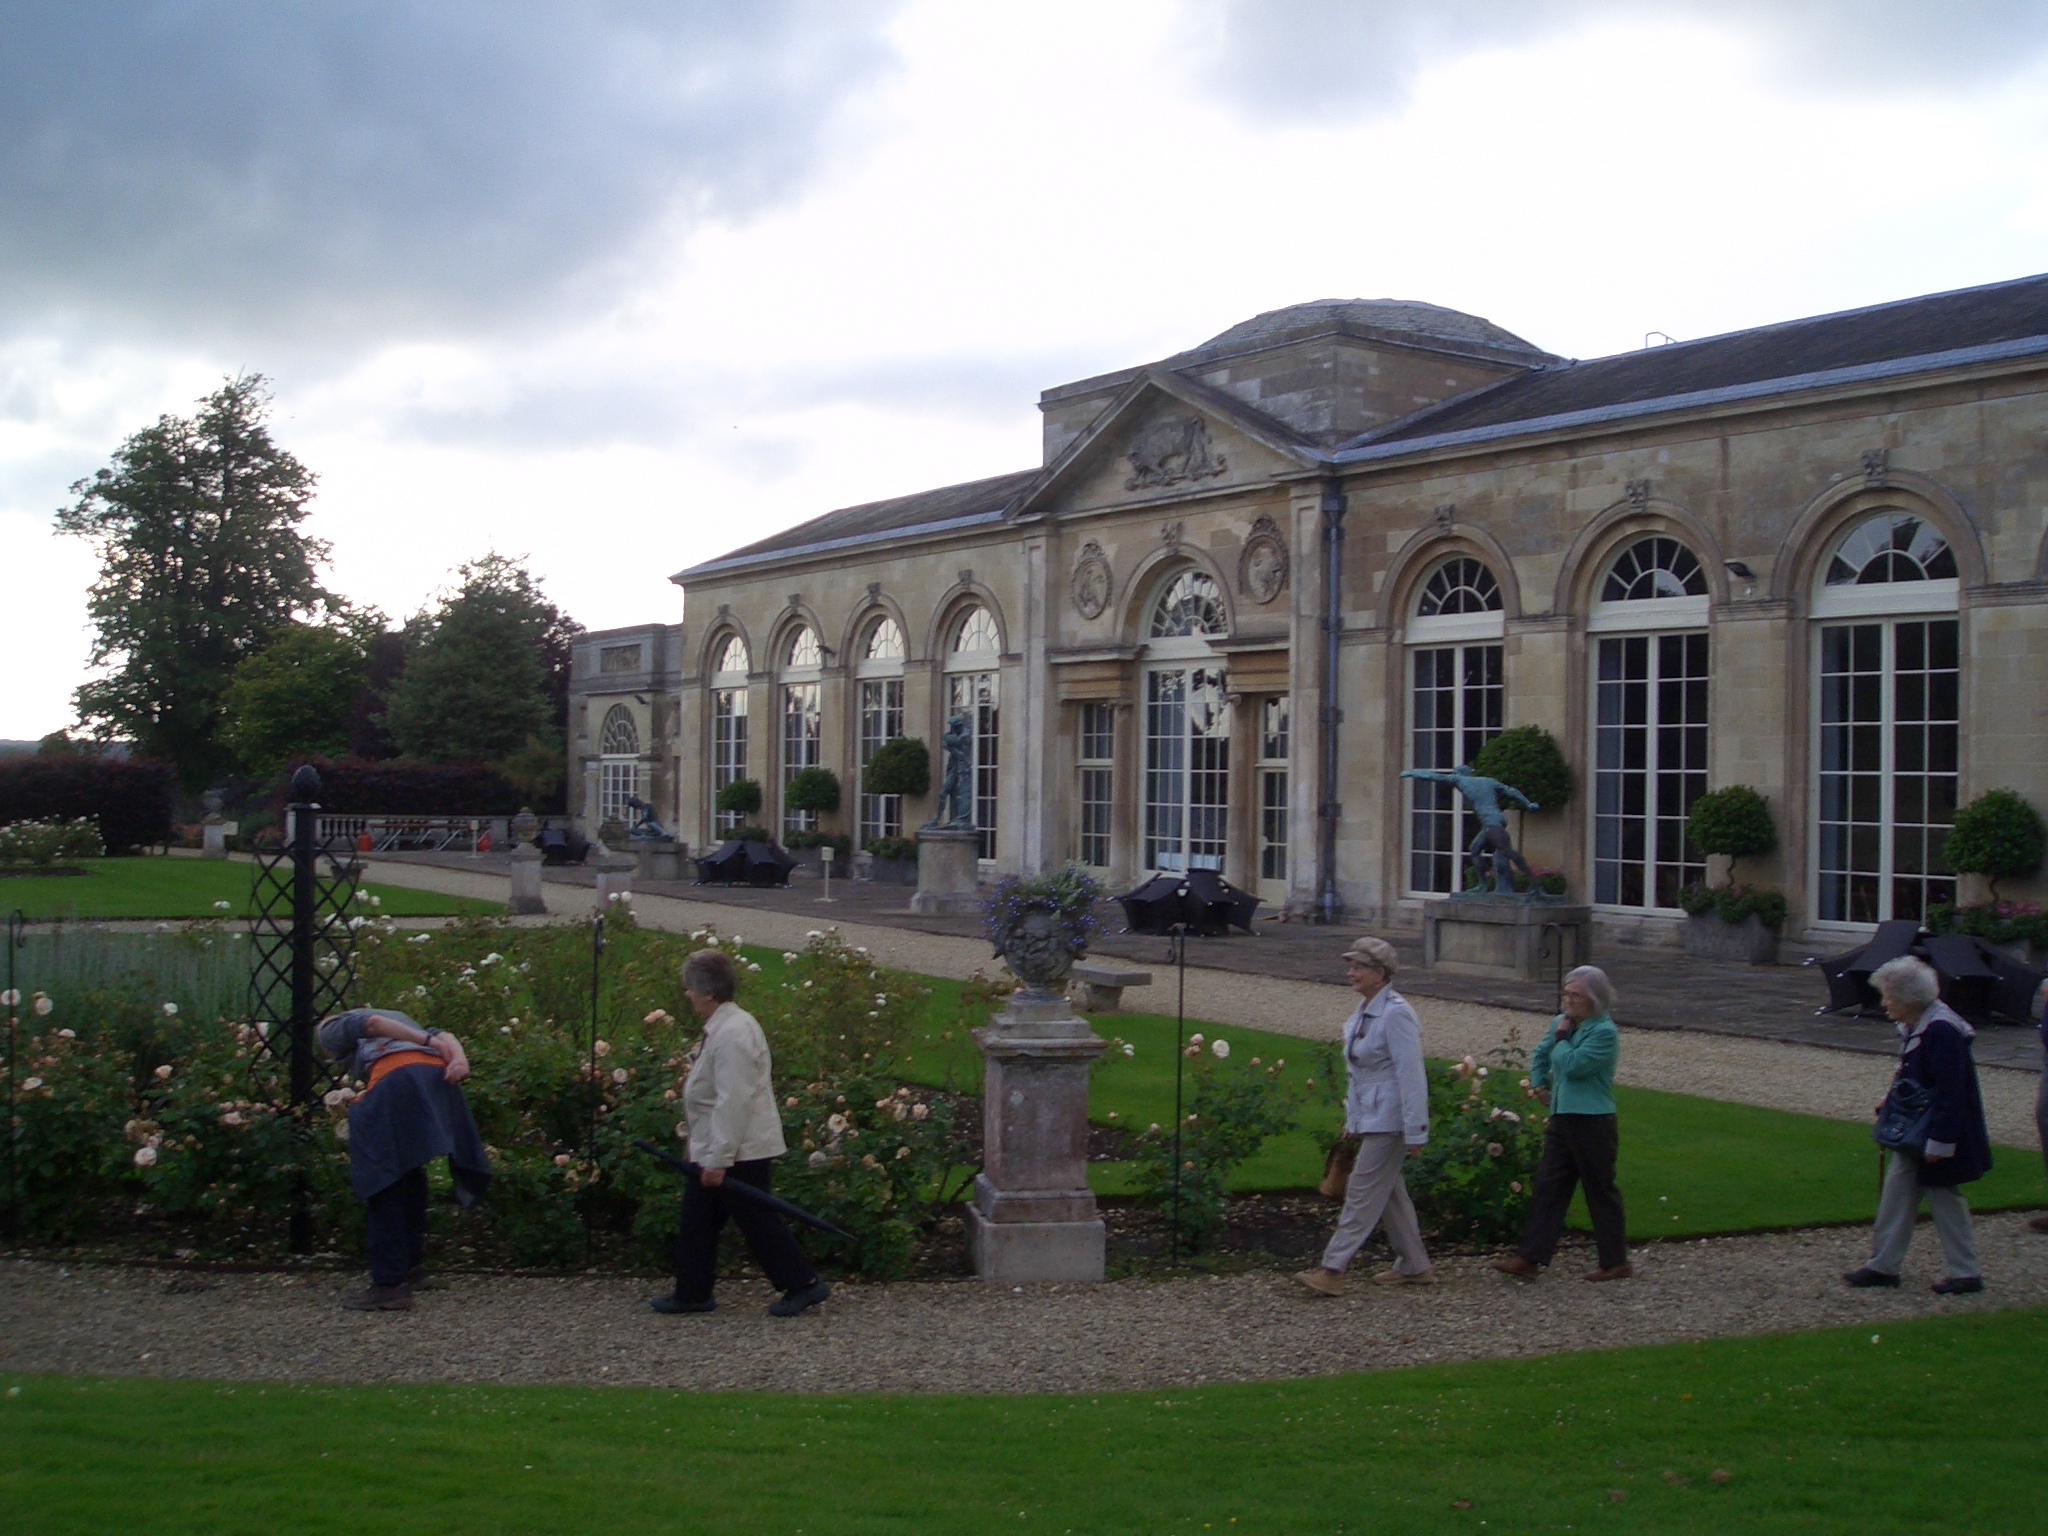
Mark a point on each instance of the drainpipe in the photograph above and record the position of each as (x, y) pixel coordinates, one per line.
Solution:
(1328, 812)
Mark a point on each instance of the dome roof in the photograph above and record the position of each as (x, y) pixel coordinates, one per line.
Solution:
(1391, 319)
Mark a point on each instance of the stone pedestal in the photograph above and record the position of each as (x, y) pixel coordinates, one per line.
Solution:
(213, 838)
(660, 860)
(1033, 1216)
(526, 899)
(1504, 936)
(948, 872)
(614, 874)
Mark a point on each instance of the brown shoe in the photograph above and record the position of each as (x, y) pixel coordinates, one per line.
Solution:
(417, 1279)
(380, 1298)
(2038, 1223)
(1322, 1282)
(1621, 1271)
(1514, 1264)
(1395, 1277)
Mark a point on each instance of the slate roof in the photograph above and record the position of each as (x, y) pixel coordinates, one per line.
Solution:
(1402, 319)
(974, 501)
(1882, 333)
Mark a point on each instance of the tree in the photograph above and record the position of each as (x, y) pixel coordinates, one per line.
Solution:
(196, 524)
(1529, 758)
(902, 765)
(536, 771)
(480, 673)
(1997, 835)
(1735, 821)
(292, 699)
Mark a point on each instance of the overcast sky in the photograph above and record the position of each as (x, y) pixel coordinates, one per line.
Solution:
(618, 285)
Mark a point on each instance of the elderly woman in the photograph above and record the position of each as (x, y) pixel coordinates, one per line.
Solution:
(1572, 1071)
(2040, 1222)
(1387, 1109)
(735, 1134)
(1934, 1052)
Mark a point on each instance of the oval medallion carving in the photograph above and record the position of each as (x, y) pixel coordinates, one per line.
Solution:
(1262, 568)
(1091, 581)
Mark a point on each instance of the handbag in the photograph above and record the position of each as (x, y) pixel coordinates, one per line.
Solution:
(1905, 1117)
(1337, 1166)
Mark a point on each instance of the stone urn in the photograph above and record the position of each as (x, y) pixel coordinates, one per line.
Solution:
(1039, 950)
(1039, 924)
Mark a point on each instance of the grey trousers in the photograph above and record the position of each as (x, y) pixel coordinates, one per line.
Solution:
(1377, 1194)
(2041, 1112)
(1897, 1207)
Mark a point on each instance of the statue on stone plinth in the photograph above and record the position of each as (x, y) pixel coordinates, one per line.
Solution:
(955, 810)
(1484, 796)
(646, 829)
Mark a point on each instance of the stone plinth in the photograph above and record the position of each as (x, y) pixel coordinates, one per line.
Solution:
(526, 899)
(213, 838)
(614, 874)
(948, 871)
(1504, 936)
(661, 859)
(1033, 1216)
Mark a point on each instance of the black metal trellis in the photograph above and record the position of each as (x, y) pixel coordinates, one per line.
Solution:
(596, 1087)
(303, 965)
(17, 926)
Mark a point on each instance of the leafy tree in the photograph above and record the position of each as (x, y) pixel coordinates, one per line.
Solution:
(1529, 758)
(536, 771)
(814, 789)
(196, 524)
(742, 797)
(480, 673)
(902, 765)
(292, 699)
(383, 661)
(1735, 821)
(1999, 835)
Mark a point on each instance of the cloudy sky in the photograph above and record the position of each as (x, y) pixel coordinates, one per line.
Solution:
(619, 284)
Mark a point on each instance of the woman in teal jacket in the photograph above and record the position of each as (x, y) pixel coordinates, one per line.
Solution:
(1572, 1071)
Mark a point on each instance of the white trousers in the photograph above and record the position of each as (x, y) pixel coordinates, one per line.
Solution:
(1897, 1207)
(1377, 1194)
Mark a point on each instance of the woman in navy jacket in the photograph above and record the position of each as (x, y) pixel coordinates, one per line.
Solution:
(1934, 1051)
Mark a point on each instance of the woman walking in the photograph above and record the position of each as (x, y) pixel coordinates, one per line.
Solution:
(1572, 1071)
(1934, 1053)
(1387, 1109)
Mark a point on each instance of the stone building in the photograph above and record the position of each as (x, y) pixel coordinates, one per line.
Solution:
(1251, 583)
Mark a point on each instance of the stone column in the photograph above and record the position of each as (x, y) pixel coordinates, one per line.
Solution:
(526, 897)
(1033, 1216)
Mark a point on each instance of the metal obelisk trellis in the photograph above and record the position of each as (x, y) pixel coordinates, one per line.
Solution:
(304, 961)
(16, 923)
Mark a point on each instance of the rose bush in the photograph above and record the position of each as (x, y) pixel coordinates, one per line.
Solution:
(1472, 1182)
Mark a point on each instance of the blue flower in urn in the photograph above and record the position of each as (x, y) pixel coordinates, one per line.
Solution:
(1039, 924)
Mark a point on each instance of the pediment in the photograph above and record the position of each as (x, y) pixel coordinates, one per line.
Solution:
(1164, 439)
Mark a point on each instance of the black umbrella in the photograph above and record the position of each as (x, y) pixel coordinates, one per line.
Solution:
(1199, 901)
(745, 861)
(745, 1191)
(1977, 979)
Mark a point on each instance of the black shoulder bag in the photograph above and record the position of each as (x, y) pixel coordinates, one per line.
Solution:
(1903, 1122)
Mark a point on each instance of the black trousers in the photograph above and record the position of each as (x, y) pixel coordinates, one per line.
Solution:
(705, 1212)
(1578, 1152)
(398, 1228)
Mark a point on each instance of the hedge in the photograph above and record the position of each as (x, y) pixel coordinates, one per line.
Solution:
(130, 800)
(359, 787)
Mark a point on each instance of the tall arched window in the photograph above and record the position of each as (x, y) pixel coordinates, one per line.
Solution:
(1888, 722)
(1456, 703)
(972, 654)
(1649, 744)
(1187, 727)
(880, 675)
(728, 726)
(618, 768)
(802, 729)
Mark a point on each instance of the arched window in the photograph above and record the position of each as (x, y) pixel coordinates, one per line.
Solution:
(1891, 547)
(732, 656)
(1461, 585)
(885, 641)
(973, 688)
(1652, 568)
(880, 675)
(1191, 604)
(1886, 757)
(728, 726)
(976, 632)
(803, 649)
(618, 769)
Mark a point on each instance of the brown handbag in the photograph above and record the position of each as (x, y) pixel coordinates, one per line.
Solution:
(1343, 1157)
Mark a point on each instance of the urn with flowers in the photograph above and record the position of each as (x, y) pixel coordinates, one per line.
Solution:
(1039, 924)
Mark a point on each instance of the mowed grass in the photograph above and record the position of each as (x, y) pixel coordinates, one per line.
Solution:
(1930, 1425)
(175, 887)
(1688, 1165)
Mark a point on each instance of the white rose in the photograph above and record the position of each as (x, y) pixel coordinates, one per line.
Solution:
(30, 1085)
(145, 1157)
(162, 1073)
(170, 1010)
(1219, 1048)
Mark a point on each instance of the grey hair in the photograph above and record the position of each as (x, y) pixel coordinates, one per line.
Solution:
(711, 972)
(1597, 986)
(1909, 981)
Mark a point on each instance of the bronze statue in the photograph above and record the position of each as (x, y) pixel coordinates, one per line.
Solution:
(955, 810)
(1483, 795)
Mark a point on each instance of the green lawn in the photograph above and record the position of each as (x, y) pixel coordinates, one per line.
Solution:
(167, 888)
(1932, 1425)
(1688, 1165)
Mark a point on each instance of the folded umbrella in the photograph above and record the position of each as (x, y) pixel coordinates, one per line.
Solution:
(745, 1191)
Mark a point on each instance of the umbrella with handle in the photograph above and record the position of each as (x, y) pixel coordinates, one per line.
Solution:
(744, 1190)
(1977, 979)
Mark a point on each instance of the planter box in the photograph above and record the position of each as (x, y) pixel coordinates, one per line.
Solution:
(1708, 938)
(892, 871)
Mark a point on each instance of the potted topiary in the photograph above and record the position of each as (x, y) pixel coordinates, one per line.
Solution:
(1997, 835)
(1732, 921)
(815, 790)
(742, 797)
(902, 765)
(892, 860)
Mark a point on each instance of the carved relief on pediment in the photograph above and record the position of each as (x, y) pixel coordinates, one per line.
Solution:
(1172, 451)
(1090, 583)
(1262, 568)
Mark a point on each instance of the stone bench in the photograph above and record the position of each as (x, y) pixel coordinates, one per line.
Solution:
(1102, 986)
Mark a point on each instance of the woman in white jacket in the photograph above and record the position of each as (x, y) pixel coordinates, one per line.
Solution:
(735, 1133)
(1387, 1109)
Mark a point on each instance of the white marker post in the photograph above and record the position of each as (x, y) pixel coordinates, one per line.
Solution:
(825, 852)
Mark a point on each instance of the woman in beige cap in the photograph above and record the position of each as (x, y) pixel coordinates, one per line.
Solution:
(1387, 1109)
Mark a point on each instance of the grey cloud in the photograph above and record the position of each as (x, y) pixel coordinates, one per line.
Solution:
(1338, 58)
(323, 174)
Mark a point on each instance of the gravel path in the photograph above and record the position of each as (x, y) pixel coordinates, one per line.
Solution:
(1840, 1085)
(962, 1336)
